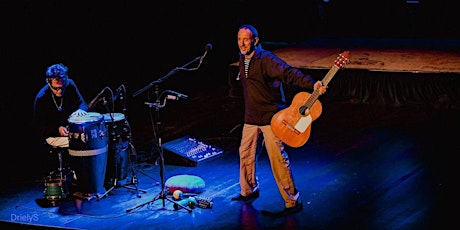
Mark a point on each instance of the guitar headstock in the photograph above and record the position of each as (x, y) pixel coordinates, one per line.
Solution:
(342, 59)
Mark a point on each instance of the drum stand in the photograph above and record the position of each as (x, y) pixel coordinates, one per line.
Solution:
(115, 179)
(162, 196)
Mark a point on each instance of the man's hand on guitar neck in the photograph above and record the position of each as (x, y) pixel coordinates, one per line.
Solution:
(320, 87)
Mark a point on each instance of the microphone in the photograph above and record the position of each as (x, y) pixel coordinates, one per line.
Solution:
(175, 95)
(172, 97)
(118, 93)
(104, 101)
(90, 105)
(207, 48)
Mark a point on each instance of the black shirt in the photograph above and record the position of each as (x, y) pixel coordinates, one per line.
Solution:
(46, 115)
(263, 85)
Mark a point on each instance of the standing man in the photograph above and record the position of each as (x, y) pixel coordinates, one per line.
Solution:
(262, 75)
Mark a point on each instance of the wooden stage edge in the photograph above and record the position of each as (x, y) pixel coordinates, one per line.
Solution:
(385, 55)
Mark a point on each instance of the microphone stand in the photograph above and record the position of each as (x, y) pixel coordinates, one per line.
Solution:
(173, 71)
(157, 139)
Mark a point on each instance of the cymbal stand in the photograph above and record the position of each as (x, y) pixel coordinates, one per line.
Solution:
(162, 195)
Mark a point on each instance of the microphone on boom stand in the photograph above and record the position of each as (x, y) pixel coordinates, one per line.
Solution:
(207, 48)
(173, 95)
(98, 98)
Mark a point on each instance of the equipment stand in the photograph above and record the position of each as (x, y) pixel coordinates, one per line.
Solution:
(58, 193)
(156, 129)
(157, 140)
(115, 173)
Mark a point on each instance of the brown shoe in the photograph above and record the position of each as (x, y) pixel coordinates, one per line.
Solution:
(249, 197)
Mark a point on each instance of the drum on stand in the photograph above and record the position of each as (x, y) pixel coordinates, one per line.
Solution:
(117, 126)
(54, 190)
(119, 137)
(88, 148)
(57, 185)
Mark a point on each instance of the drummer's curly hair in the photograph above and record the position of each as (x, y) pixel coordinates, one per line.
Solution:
(57, 71)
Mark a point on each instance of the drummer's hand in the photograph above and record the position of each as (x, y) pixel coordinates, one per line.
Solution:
(79, 113)
(63, 131)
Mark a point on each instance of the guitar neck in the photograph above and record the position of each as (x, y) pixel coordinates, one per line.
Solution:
(314, 96)
(330, 74)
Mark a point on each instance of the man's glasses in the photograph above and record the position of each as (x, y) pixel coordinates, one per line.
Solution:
(57, 88)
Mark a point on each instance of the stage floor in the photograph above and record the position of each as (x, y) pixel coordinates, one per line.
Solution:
(363, 167)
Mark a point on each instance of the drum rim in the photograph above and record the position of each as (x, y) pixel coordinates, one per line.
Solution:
(116, 117)
(96, 117)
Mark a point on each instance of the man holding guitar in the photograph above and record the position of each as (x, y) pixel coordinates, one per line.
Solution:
(262, 75)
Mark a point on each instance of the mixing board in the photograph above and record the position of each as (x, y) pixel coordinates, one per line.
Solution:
(190, 151)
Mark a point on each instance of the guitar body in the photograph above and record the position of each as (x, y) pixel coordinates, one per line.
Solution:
(291, 126)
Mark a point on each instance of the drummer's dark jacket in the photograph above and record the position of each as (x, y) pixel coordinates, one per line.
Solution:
(46, 116)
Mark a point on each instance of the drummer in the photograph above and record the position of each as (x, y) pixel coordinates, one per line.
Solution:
(54, 103)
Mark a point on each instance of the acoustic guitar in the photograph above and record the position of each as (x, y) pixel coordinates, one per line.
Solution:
(293, 124)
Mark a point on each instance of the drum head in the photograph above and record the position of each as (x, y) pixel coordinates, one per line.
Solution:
(116, 117)
(89, 117)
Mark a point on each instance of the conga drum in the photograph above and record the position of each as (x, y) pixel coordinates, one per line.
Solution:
(118, 156)
(118, 127)
(88, 148)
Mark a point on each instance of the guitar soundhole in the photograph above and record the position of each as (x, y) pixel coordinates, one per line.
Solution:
(302, 110)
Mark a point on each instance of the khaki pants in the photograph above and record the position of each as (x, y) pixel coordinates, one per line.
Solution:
(279, 162)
